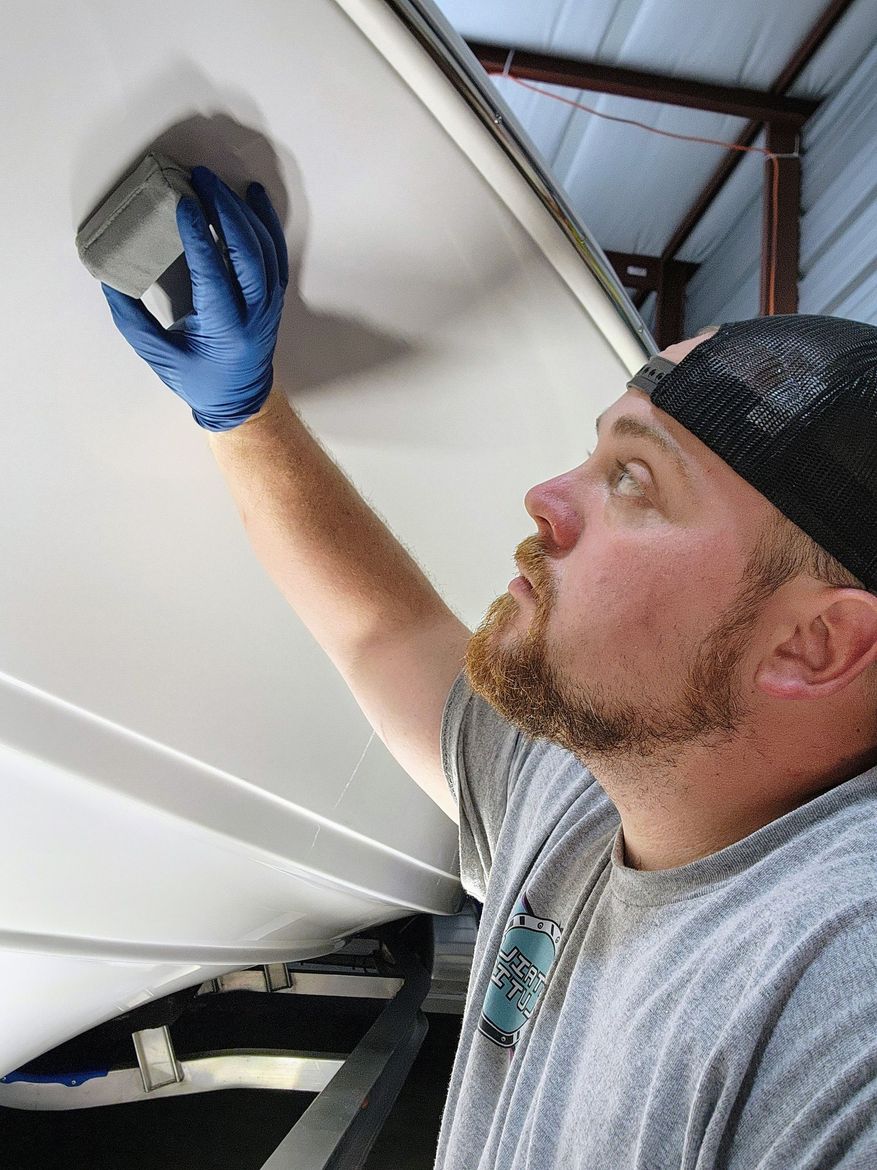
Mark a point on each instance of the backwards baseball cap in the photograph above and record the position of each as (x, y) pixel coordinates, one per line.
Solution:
(790, 403)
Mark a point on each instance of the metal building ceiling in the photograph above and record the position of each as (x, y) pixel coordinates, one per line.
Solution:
(631, 187)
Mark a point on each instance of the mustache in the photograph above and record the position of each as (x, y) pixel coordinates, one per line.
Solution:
(532, 558)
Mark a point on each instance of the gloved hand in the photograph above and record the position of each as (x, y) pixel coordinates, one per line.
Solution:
(219, 358)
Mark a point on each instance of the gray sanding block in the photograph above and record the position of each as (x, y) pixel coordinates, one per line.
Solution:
(132, 238)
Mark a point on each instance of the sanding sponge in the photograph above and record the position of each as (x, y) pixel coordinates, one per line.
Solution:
(132, 238)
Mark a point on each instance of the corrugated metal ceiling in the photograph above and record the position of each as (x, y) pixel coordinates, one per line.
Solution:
(630, 187)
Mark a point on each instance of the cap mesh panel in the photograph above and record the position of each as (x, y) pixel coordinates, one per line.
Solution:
(790, 403)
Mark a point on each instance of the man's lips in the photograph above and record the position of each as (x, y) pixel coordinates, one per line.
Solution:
(521, 586)
(523, 574)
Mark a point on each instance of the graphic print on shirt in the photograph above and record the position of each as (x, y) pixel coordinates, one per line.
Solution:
(527, 950)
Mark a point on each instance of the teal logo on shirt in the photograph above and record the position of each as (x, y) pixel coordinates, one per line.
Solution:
(521, 970)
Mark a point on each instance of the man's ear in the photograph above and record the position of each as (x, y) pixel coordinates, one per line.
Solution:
(834, 640)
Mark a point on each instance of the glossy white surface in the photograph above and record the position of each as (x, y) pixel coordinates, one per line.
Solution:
(185, 782)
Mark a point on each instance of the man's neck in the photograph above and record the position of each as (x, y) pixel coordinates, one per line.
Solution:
(706, 800)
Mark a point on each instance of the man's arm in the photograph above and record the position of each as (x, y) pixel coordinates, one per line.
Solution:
(391, 636)
(394, 641)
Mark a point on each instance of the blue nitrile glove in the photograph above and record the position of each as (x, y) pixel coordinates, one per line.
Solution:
(218, 359)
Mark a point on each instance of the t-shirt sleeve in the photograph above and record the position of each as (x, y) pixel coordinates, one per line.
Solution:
(482, 755)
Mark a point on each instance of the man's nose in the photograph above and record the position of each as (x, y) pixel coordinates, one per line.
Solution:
(552, 506)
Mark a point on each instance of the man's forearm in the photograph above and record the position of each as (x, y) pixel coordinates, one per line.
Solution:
(394, 641)
(336, 563)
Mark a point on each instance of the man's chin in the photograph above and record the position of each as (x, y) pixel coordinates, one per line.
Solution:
(499, 628)
(498, 664)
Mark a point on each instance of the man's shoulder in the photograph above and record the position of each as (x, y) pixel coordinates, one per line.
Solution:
(812, 902)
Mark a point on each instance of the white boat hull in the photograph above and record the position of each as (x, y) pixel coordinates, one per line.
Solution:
(188, 787)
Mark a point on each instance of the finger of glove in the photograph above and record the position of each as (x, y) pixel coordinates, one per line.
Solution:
(134, 321)
(257, 197)
(213, 297)
(269, 252)
(233, 225)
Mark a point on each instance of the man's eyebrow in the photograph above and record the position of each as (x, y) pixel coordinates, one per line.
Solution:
(629, 424)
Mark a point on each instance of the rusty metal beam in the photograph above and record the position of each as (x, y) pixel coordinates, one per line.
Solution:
(667, 278)
(793, 68)
(635, 271)
(779, 256)
(817, 35)
(720, 176)
(670, 309)
(597, 77)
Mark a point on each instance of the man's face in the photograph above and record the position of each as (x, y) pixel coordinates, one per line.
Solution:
(631, 636)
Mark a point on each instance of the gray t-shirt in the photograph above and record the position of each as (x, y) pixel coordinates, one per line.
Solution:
(722, 1014)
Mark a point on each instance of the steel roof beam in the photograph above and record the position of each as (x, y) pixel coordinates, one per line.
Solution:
(651, 87)
(782, 118)
(794, 67)
(667, 278)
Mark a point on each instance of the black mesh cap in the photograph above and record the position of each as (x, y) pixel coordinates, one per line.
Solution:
(790, 403)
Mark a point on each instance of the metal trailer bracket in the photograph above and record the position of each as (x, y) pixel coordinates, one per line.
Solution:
(355, 1092)
(338, 1129)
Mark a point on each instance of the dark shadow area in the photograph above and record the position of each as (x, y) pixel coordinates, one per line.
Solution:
(410, 1135)
(237, 1129)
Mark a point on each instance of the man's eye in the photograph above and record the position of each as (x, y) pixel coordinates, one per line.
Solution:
(621, 473)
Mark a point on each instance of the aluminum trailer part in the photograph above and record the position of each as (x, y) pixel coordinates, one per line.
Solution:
(355, 1092)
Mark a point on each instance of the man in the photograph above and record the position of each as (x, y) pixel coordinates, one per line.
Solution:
(661, 751)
